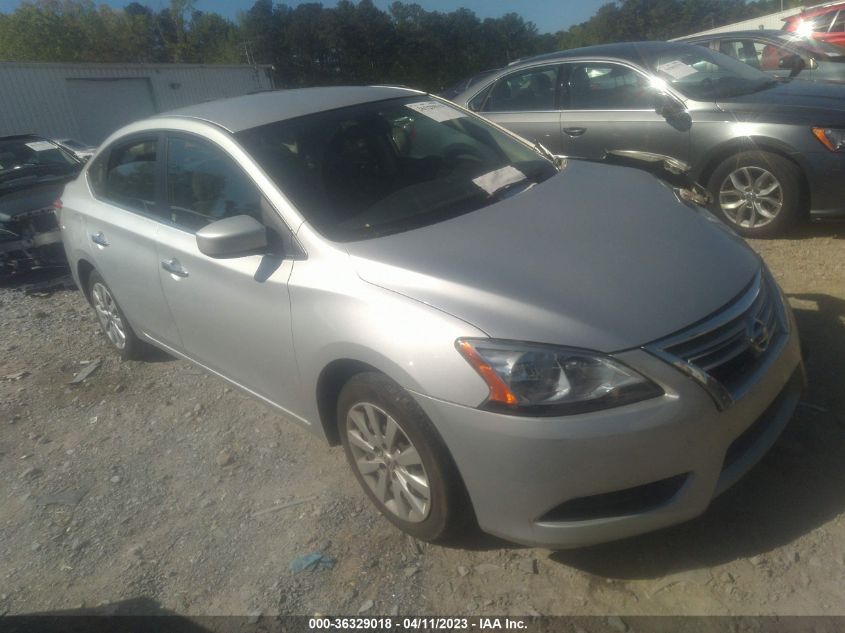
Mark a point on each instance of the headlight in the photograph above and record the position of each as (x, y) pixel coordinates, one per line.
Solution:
(832, 138)
(539, 380)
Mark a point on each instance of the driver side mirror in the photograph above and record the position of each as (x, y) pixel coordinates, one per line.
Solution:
(794, 63)
(232, 237)
(667, 106)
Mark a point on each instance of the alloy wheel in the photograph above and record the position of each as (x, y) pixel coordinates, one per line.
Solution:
(108, 315)
(751, 197)
(388, 462)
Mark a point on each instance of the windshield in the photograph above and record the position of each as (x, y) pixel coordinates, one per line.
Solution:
(73, 144)
(812, 45)
(390, 166)
(33, 159)
(702, 74)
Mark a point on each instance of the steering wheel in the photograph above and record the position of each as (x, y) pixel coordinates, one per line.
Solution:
(461, 151)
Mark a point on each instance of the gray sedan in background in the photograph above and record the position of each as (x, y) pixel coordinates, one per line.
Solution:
(768, 152)
(565, 353)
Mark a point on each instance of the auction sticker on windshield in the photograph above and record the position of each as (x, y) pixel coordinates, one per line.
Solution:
(435, 110)
(40, 146)
(676, 69)
(493, 181)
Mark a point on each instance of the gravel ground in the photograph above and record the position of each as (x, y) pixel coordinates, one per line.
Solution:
(155, 482)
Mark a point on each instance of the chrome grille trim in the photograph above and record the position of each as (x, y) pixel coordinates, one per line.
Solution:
(747, 330)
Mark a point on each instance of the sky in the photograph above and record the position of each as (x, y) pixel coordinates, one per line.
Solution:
(549, 15)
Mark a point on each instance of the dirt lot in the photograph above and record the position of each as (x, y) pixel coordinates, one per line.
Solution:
(153, 481)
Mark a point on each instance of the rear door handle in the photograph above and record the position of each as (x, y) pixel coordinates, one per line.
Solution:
(574, 131)
(99, 239)
(174, 267)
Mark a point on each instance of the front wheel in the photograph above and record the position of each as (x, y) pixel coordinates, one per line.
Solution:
(758, 194)
(399, 460)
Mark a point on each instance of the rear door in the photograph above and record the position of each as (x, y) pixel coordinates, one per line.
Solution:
(121, 226)
(233, 314)
(609, 108)
(526, 102)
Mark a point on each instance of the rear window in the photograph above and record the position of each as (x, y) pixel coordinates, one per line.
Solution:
(126, 175)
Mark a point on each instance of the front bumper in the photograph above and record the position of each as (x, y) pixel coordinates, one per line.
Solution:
(30, 239)
(520, 471)
(824, 172)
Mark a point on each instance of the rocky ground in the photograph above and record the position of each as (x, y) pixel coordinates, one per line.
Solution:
(151, 481)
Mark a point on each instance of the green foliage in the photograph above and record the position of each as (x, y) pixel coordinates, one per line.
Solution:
(350, 43)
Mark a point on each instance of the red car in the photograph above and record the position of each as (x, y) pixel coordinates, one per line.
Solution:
(825, 22)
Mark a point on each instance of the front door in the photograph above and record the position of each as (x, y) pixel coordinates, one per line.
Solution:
(609, 110)
(233, 314)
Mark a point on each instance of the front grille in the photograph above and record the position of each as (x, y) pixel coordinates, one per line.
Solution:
(724, 351)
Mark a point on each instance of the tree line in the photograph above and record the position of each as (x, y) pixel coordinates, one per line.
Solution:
(353, 43)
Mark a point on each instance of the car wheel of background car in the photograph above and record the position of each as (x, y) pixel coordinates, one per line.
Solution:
(400, 460)
(112, 321)
(757, 193)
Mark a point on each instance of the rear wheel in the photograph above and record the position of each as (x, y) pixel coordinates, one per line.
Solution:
(758, 194)
(112, 320)
(400, 460)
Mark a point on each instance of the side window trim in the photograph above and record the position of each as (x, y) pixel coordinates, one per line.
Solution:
(105, 156)
(490, 87)
(639, 71)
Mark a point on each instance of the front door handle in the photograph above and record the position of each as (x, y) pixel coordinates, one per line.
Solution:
(174, 267)
(574, 131)
(99, 239)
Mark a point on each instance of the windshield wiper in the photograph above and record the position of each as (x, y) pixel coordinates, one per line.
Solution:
(501, 191)
(544, 151)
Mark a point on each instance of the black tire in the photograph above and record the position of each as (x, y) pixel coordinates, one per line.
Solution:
(450, 513)
(786, 173)
(133, 348)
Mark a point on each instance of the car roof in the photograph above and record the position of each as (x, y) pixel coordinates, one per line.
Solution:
(820, 9)
(634, 51)
(770, 33)
(241, 113)
(23, 137)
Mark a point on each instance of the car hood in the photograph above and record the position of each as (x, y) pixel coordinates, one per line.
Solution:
(31, 198)
(810, 98)
(597, 257)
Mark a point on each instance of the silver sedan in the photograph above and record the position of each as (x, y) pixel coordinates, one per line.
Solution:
(562, 352)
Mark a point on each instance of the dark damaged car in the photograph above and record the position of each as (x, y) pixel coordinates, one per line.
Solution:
(33, 173)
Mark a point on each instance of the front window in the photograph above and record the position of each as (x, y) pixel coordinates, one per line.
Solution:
(390, 166)
(702, 74)
(603, 86)
(205, 185)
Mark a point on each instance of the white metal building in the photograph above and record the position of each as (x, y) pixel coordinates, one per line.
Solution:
(90, 101)
(770, 21)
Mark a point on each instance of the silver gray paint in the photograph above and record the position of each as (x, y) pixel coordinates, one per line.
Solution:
(594, 257)
(777, 119)
(607, 294)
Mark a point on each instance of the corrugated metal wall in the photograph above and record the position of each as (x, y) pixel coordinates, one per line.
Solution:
(771, 21)
(34, 97)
